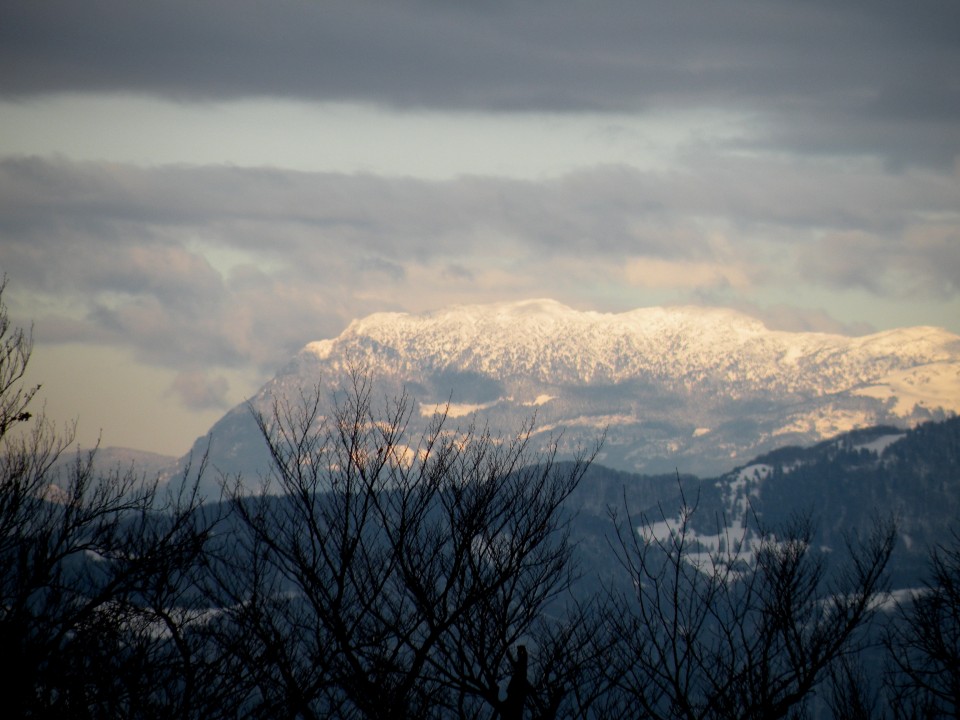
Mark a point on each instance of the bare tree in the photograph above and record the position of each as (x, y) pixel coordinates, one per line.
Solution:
(396, 576)
(744, 631)
(568, 677)
(851, 694)
(923, 642)
(94, 571)
(16, 344)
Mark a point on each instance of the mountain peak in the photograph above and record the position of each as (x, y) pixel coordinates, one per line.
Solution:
(552, 342)
(689, 388)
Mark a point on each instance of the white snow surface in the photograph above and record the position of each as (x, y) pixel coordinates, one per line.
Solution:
(693, 389)
(880, 444)
(683, 346)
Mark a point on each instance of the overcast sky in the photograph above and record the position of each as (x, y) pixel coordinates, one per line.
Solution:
(190, 191)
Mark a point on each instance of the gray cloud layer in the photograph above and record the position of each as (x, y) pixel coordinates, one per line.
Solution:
(192, 266)
(847, 77)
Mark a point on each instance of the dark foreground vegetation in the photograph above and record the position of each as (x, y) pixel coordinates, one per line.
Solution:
(437, 578)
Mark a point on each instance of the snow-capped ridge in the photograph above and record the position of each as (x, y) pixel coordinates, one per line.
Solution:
(686, 388)
(686, 344)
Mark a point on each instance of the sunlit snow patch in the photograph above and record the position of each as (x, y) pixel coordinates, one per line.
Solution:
(880, 444)
(454, 410)
(931, 385)
(540, 400)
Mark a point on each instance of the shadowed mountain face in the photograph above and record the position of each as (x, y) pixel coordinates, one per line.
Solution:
(691, 389)
(845, 484)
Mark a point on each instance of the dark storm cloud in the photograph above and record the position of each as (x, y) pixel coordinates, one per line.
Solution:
(841, 77)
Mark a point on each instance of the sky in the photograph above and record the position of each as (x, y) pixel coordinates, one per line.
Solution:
(192, 190)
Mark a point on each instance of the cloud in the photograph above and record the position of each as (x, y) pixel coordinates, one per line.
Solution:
(921, 261)
(845, 77)
(653, 273)
(199, 390)
(789, 318)
(234, 267)
(931, 258)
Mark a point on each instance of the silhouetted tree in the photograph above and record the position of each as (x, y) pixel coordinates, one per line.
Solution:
(94, 572)
(395, 575)
(923, 642)
(851, 694)
(747, 631)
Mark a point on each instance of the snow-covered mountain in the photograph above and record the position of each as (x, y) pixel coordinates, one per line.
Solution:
(689, 388)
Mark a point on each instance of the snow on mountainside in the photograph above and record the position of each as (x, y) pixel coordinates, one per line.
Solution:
(545, 341)
(690, 388)
(845, 483)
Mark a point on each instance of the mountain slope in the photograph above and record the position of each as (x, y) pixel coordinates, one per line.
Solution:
(844, 483)
(687, 388)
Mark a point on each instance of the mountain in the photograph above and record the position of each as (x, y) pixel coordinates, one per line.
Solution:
(140, 463)
(690, 389)
(844, 483)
